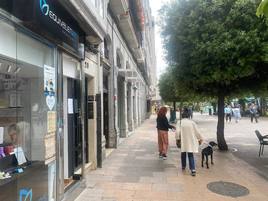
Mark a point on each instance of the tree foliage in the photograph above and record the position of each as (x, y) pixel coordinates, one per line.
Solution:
(218, 48)
(262, 10)
(167, 87)
(172, 90)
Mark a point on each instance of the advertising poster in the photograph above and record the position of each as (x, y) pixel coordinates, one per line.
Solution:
(49, 81)
(49, 86)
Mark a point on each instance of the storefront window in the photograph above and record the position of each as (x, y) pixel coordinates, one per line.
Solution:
(27, 116)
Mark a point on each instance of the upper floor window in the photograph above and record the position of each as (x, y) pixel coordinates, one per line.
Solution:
(118, 61)
(106, 49)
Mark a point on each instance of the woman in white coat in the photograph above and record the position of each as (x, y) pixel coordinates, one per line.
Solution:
(190, 137)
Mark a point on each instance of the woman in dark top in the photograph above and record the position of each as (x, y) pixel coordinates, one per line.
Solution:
(162, 129)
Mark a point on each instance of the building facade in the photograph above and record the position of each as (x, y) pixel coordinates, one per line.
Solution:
(76, 78)
(131, 30)
(149, 44)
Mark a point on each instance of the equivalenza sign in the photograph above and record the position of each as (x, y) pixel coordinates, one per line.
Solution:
(44, 7)
(57, 21)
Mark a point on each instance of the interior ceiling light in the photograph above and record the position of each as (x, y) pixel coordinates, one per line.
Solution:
(9, 68)
(17, 70)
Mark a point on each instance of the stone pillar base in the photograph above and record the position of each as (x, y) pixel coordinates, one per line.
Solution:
(103, 149)
(112, 139)
(103, 153)
(123, 133)
(130, 127)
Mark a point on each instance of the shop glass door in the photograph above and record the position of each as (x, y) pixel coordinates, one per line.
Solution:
(74, 131)
(72, 140)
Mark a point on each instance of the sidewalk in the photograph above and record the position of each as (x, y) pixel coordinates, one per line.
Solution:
(133, 172)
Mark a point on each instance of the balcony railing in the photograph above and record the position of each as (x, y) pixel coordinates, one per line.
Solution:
(137, 18)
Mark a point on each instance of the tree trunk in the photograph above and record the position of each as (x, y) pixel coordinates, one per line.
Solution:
(242, 106)
(220, 127)
(174, 106)
(262, 106)
(198, 107)
(180, 109)
(172, 118)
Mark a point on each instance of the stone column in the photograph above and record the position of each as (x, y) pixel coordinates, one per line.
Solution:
(130, 107)
(112, 113)
(139, 104)
(143, 103)
(122, 103)
(125, 114)
(116, 99)
(135, 106)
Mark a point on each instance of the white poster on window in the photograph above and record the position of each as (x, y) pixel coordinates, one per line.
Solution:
(49, 86)
(1, 135)
(49, 81)
(70, 106)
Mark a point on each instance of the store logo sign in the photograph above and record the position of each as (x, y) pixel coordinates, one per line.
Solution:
(44, 7)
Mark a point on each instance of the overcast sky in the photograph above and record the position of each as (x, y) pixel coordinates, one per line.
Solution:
(161, 64)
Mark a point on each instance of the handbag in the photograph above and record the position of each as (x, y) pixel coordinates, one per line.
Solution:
(178, 143)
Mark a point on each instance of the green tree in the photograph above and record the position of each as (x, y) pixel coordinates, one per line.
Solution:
(218, 49)
(167, 87)
(262, 10)
(167, 90)
(172, 90)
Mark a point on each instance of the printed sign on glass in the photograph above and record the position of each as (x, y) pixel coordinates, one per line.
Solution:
(49, 86)
(49, 80)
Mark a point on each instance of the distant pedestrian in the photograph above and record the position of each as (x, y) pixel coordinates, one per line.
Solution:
(253, 112)
(162, 129)
(209, 111)
(237, 114)
(190, 137)
(172, 118)
(228, 113)
(190, 109)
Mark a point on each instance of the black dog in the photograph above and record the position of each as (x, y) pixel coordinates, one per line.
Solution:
(208, 151)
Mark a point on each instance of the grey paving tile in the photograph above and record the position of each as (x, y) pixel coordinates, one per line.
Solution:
(126, 179)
